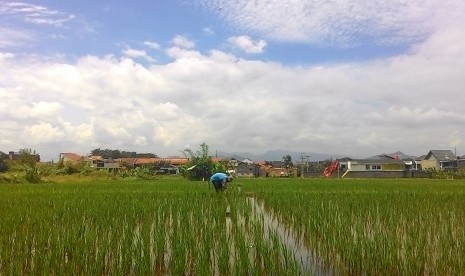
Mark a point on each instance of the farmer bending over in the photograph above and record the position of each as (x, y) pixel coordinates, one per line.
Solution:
(219, 181)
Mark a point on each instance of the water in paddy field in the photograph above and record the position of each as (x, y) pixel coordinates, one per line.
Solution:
(290, 239)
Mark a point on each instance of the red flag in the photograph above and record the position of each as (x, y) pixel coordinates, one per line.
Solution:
(329, 170)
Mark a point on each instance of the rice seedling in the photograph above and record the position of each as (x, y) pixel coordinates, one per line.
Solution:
(375, 226)
(291, 226)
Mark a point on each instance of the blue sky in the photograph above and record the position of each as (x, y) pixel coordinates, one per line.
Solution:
(353, 78)
(89, 28)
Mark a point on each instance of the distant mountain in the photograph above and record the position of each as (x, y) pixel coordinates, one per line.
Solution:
(236, 155)
(277, 155)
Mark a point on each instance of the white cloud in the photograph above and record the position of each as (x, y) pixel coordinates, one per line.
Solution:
(48, 21)
(151, 44)
(5, 56)
(80, 134)
(45, 109)
(14, 107)
(13, 37)
(208, 31)
(339, 23)
(177, 53)
(247, 44)
(455, 139)
(182, 42)
(140, 141)
(36, 14)
(42, 133)
(412, 102)
(134, 53)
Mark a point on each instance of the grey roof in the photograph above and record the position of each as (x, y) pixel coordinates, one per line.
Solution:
(419, 158)
(381, 157)
(394, 155)
(441, 155)
(345, 159)
(247, 160)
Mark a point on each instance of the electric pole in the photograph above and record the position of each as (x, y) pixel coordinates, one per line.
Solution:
(302, 156)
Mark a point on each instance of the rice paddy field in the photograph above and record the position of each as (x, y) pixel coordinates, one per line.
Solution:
(258, 226)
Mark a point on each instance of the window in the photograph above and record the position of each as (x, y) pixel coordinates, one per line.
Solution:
(373, 167)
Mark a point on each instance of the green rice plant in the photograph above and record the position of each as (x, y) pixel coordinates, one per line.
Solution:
(173, 226)
(374, 226)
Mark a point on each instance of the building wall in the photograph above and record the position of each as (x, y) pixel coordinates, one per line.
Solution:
(430, 163)
(392, 167)
(15, 156)
(247, 170)
(356, 166)
(112, 165)
(385, 174)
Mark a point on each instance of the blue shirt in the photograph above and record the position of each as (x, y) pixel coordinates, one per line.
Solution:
(218, 176)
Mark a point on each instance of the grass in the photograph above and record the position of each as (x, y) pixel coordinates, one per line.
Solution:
(173, 226)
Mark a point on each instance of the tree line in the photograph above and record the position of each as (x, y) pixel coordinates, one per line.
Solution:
(116, 154)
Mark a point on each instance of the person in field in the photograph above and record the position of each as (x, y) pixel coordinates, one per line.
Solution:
(219, 181)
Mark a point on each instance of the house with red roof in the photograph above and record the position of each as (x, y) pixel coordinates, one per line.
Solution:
(70, 157)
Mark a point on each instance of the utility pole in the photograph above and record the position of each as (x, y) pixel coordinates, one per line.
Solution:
(308, 156)
(456, 158)
(302, 156)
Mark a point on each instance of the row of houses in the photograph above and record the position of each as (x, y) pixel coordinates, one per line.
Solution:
(393, 166)
(166, 165)
(170, 165)
(383, 165)
(248, 168)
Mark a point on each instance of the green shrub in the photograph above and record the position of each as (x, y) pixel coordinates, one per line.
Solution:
(445, 174)
(9, 178)
(67, 168)
(32, 174)
(144, 172)
(45, 169)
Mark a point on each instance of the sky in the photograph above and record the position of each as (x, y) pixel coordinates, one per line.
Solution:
(352, 78)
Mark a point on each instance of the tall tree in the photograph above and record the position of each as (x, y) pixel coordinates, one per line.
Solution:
(28, 157)
(200, 165)
(115, 154)
(287, 160)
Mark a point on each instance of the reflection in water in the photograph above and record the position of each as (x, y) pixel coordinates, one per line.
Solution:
(288, 238)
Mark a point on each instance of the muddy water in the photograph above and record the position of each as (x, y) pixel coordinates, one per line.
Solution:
(288, 238)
